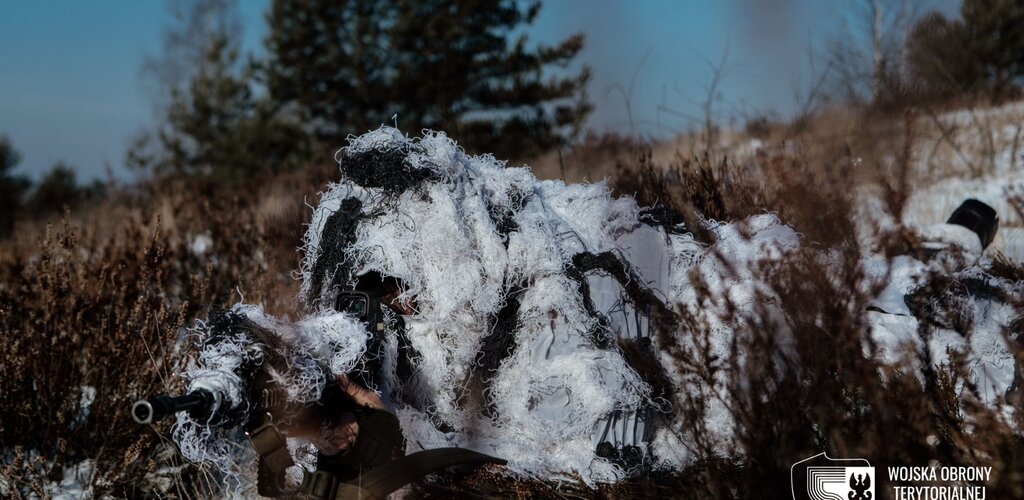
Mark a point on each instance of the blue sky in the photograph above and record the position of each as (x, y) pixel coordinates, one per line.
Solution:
(70, 86)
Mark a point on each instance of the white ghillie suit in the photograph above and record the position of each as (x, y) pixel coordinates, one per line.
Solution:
(524, 290)
(521, 292)
(967, 305)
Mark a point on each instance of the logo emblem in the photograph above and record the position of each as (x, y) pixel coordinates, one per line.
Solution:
(823, 478)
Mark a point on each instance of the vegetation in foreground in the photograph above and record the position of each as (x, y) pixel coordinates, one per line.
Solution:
(93, 305)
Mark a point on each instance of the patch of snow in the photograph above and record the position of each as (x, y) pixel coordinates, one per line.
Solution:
(75, 484)
(934, 204)
(1010, 242)
(201, 243)
(84, 403)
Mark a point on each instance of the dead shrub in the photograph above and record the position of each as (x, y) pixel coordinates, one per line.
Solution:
(92, 315)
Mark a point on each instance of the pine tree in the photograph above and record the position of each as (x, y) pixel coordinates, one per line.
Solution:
(12, 187)
(995, 37)
(981, 52)
(328, 59)
(490, 92)
(57, 189)
(213, 122)
(448, 65)
(216, 126)
(940, 61)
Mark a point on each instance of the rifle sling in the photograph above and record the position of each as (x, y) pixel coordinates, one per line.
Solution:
(383, 480)
(272, 449)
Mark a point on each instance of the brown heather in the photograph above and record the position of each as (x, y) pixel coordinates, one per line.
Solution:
(100, 298)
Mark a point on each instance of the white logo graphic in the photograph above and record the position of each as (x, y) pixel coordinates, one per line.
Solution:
(823, 478)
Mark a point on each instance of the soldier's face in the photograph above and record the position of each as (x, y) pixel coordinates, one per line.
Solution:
(404, 307)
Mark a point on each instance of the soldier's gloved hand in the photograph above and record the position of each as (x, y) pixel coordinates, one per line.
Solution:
(339, 437)
(360, 395)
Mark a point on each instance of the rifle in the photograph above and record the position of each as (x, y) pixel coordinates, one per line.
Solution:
(201, 403)
(197, 403)
(238, 389)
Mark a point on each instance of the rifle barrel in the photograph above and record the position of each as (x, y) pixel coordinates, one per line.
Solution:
(150, 410)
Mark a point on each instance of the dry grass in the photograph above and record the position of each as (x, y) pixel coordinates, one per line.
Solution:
(98, 298)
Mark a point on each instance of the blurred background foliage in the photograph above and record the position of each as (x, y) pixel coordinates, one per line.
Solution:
(330, 68)
(335, 68)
